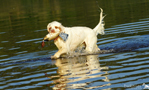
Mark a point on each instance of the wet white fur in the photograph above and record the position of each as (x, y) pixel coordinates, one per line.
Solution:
(78, 36)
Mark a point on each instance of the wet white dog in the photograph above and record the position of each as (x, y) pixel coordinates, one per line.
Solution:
(68, 39)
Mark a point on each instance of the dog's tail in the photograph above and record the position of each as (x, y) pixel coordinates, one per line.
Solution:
(99, 29)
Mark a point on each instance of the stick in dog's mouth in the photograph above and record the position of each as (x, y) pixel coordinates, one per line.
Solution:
(49, 37)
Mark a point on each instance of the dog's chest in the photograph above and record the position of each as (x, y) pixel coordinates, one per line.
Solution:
(59, 42)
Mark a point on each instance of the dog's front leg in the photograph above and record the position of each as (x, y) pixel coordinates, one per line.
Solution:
(59, 53)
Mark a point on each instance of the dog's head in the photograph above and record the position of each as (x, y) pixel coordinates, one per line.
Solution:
(54, 28)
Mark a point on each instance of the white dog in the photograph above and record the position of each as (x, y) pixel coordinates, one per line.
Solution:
(68, 39)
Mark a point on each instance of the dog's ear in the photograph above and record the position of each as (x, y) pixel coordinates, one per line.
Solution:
(61, 28)
(64, 36)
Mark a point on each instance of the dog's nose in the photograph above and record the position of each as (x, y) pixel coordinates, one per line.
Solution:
(52, 31)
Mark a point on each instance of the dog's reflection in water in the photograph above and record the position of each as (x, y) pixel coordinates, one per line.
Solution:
(80, 72)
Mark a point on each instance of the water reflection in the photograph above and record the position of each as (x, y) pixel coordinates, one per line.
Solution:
(80, 72)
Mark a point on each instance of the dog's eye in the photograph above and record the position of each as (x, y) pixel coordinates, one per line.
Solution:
(56, 27)
(50, 28)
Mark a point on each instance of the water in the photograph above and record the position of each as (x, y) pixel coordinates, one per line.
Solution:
(25, 65)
